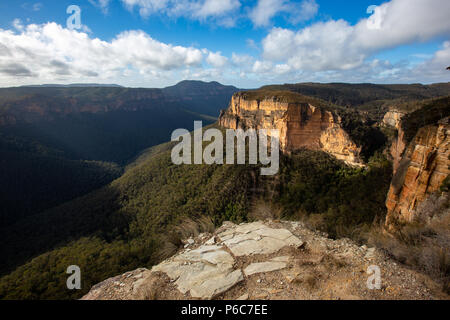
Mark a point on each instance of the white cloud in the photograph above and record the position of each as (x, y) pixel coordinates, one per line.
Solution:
(337, 45)
(192, 9)
(265, 10)
(242, 60)
(225, 12)
(17, 24)
(214, 7)
(308, 10)
(251, 44)
(50, 52)
(217, 59)
(433, 68)
(262, 66)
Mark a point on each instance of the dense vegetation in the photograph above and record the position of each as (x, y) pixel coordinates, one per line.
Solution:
(335, 198)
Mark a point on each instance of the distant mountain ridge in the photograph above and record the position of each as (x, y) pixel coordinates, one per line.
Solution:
(367, 97)
(72, 85)
(47, 102)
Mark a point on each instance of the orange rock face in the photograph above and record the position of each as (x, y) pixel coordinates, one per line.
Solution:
(421, 171)
(301, 125)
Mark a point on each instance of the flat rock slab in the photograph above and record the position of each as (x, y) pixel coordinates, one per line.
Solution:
(204, 272)
(216, 285)
(268, 266)
(281, 259)
(257, 238)
(208, 270)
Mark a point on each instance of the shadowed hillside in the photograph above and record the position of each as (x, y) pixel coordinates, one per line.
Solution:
(60, 142)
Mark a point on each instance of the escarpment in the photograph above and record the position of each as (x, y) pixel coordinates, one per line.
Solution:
(421, 171)
(300, 124)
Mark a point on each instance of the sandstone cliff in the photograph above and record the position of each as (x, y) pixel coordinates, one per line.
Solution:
(392, 118)
(270, 260)
(301, 125)
(419, 172)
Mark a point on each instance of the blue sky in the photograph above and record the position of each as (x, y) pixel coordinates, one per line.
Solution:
(154, 43)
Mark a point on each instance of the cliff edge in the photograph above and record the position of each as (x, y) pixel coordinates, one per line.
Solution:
(301, 124)
(268, 260)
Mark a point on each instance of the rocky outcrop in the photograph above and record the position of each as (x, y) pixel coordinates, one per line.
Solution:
(397, 148)
(301, 125)
(392, 118)
(267, 260)
(420, 172)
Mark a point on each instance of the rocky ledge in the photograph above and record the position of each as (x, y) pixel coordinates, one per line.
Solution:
(268, 260)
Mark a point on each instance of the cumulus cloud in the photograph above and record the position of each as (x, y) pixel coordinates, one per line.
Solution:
(431, 70)
(15, 70)
(241, 60)
(217, 59)
(265, 10)
(51, 52)
(308, 10)
(337, 45)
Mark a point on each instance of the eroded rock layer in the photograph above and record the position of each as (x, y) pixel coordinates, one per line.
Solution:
(301, 125)
(420, 172)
